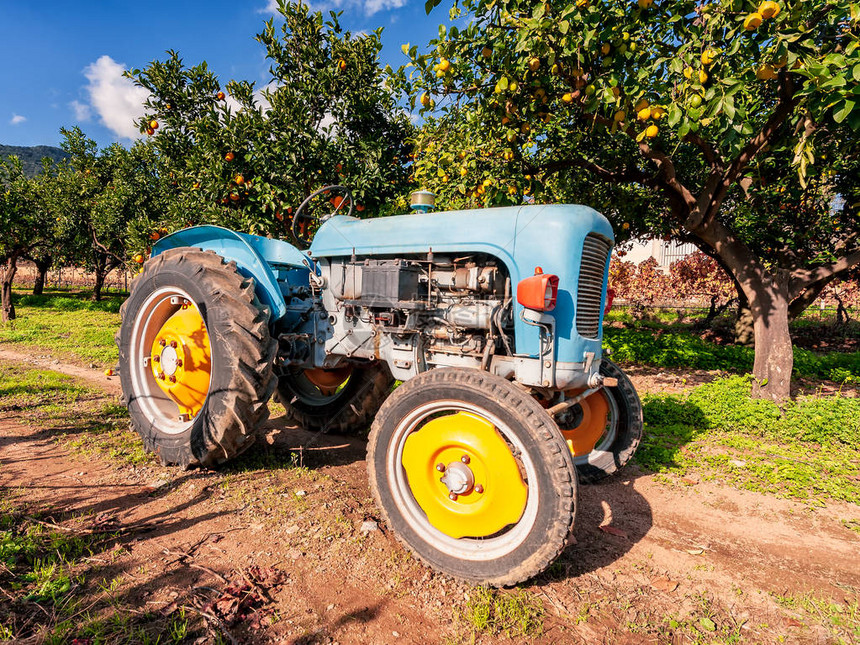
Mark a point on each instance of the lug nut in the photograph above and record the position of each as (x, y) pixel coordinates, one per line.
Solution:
(162, 342)
(178, 362)
(172, 379)
(173, 344)
(161, 375)
(440, 468)
(479, 489)
(465, 459)
(156, 358)
(452, 497)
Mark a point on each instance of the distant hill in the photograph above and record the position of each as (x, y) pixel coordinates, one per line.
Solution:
(31, 156)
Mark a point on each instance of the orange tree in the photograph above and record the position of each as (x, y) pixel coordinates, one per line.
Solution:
(24, 225)
(245, 159)
(105, 202)
(729, 124)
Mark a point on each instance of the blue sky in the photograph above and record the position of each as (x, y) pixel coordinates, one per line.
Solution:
(62, 61)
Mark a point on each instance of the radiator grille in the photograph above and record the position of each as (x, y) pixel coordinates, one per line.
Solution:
(595, 253)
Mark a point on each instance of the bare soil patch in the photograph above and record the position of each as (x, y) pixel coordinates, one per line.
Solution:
(655, 560)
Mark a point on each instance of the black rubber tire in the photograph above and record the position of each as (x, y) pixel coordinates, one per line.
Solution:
(352, 409)
(628, 429)
(552, 526)
(242, 354)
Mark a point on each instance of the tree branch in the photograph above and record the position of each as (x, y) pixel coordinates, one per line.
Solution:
(803, 279)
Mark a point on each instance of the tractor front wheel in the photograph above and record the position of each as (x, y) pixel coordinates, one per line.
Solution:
(604, 429)
(195, 358)
(473, 476)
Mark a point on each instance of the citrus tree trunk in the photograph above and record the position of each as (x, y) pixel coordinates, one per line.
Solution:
(42, 267)
(101, 274)
(7, 274)
(774, 353)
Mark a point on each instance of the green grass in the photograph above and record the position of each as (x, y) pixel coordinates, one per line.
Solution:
(841, 619)
(663, 348)
(807, 449)
(67, 324)
(515, 613)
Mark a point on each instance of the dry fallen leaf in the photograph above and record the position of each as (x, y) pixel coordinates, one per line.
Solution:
(664, 584)
(612, 530)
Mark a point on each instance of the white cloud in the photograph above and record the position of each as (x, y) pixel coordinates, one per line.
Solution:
(368, 7)
(82, 111)
(116, 99)
(17, 119)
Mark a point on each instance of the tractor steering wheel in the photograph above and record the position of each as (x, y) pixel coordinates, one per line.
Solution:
(302, 220)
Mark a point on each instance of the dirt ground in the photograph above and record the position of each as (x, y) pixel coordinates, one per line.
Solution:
(655, 559)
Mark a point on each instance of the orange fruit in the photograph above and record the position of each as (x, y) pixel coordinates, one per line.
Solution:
(279, 216)
(605, 49)
(239, 180)
(234, 197)
(108, 372)
(425, 99)
(752, 21)
(534, 64)
(153, 124)
(139, 258)
(651, 131)
(644, 114)
(150, 131)
(341, 64)
(359, 207)
(229, 156)
(708, 56)
(220, 96)
(765, 73)
(154, 236)
(619, 116)
(768, 9)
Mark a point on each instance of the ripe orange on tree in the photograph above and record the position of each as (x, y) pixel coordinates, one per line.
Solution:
(139, 258)
(229, 156)
(220, 96)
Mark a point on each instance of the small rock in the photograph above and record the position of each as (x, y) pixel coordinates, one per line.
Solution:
(293, 528)
(301, 493)
(737, 462)
(395, 634)
(330, 607)
(294, 554)
(368, 526)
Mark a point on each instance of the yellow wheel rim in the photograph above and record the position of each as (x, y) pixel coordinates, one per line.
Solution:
(463, 476)
(180, 359)
(595, 414)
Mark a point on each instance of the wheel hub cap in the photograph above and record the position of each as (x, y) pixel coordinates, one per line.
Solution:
(463, 476)
(459, 478)
(181, 361)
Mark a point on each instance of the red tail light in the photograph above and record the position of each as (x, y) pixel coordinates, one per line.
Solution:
(539, 291)
(610, 296)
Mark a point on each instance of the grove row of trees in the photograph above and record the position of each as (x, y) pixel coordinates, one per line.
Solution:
(731, 124)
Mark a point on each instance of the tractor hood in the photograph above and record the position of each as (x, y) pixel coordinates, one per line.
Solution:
(523, 237)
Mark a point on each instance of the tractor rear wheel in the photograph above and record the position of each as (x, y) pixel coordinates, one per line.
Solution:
(342, 400)
(473, 476)
(604, 429)
(195, 358)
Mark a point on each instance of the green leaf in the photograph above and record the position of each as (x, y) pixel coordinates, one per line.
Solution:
(855, 73)
(674, 115)
(563, 27)
(841, 113)
(729, 108)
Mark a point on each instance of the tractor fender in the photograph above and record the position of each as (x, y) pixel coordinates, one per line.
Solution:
(255, 257)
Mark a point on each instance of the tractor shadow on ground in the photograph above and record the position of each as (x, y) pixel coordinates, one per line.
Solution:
(612, 516)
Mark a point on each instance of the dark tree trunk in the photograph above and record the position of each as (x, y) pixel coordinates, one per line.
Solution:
(101, 274)
(42, 267)
(767, 295)
(7, 274)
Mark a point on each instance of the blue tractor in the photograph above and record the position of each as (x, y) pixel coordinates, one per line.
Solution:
(491, 319)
